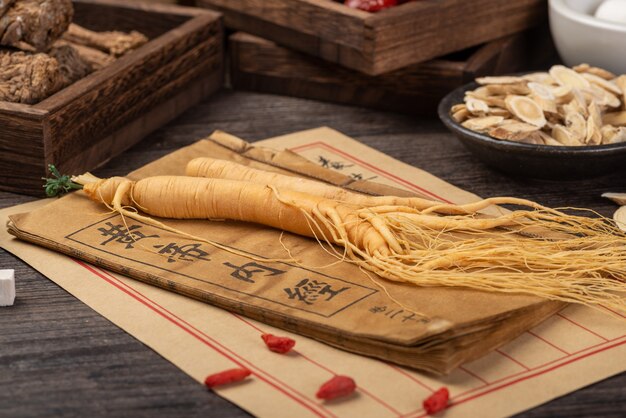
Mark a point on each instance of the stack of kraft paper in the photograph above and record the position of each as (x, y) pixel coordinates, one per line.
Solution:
(428, 328)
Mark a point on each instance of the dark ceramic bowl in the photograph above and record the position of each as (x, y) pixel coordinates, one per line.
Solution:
(535, 161)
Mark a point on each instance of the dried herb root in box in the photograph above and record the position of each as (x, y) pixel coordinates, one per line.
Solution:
(31, 77)
(113, 42)
(36, 23)
(94, 57)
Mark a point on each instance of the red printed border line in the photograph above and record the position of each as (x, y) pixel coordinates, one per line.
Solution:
(455, 401)
(297, 396)
(329, 370)
(207, 340)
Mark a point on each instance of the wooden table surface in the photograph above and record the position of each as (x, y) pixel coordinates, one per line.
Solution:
(60, 358)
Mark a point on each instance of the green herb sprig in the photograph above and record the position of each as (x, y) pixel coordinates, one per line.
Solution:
(59, 184)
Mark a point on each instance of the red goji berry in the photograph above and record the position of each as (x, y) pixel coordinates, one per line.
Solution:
(225, 377)
(370, 5)
(437, 401)
(280, 345)
(336, 387)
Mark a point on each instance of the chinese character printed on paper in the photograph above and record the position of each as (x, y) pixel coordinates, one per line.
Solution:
(309, 291)
(337, 165)
(187, 252)
(401, 315)
(248, 270)
(123, 235)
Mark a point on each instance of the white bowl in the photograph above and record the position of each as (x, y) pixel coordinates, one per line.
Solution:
(580, 37)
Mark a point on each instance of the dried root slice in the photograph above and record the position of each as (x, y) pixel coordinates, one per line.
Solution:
(513, 130)
(554, 119)
(612, 134)
(541, 90)
(482, 124)
(476, 106)
(567, 77)
(564, 107)
(518, 126)
(497, 111)
(593, 110)
(576, 125)
(621, 83)
(495, 101)
(506, 89)
(619, 198)
(600, 96)
(581, 68)
(534, 138)
(461, 115)
(457, 107)
(620, 218)
(600, 72)
(547, 105)
(480, 92)
(525, 109)
(615, 118)
(574, 107)
(593, 136)
(542, 78)
(580, 100)
(564, 136)
(500, 80)
(620, 136)
(601, 82)
(562, 94)
(548, 140)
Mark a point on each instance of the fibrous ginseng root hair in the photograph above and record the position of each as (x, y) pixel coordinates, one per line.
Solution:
(538, 251)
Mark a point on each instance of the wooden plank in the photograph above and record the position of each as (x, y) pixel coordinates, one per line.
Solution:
(9, 108)
(318, 27)
(377, 43)
(21, 148)
(188, 95)
(261, 65)
(318, 18)
(153, 6)
(514, 53)
(445, 26)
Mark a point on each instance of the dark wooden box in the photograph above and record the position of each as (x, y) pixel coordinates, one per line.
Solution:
(376, 43)
(98, 117)
(260, 65)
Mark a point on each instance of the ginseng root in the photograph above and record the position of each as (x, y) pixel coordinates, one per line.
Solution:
(579, 260)
(215, 168)
(201, 198)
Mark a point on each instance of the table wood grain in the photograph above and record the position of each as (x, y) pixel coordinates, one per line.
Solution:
(60, 358)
